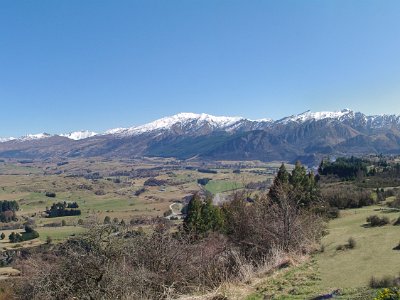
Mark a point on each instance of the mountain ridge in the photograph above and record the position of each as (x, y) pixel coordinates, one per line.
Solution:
(307, 136)
(218, 122)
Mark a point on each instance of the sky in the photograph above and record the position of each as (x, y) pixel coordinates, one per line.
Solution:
(82, 64)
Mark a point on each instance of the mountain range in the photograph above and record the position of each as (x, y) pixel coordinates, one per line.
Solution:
(307, 136)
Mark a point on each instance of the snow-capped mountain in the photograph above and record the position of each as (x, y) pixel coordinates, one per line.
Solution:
(316, 116)
(191, 123)
(77, 135)
(182, 121)
(306, 136)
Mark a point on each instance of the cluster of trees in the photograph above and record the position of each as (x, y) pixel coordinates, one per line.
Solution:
(29, 234)
(154, 182)
(209, 171)
(345, 168)
(347, 196)
(302, 185)
(289, 207)
(62, 209)
(7, 210)
(203, 216)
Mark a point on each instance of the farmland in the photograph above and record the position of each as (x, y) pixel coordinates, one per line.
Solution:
(110, 188)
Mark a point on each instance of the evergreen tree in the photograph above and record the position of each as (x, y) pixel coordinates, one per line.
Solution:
(281, 182)
(299, 183)
(193, 220)
(203, 217)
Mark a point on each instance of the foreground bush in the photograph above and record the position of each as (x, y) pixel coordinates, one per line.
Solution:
(104, 265)
(388, 294)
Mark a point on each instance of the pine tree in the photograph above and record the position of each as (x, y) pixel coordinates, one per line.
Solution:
(281, 182)
(299, 183)
(203, 217)
(193, 220)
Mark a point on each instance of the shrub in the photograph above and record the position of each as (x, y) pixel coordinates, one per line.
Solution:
(139, 191)
(50, 194)
(388, 294)
(345, 196)
(203, 181)
(397, 247)
(377, 221)
(384, 282)
(351, 243)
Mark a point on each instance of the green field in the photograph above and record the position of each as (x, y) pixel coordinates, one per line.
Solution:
(58, 234)
(220, 186)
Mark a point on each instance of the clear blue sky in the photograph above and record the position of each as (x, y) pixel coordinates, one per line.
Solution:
(78, 64)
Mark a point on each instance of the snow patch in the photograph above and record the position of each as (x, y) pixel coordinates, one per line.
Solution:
(79, 135)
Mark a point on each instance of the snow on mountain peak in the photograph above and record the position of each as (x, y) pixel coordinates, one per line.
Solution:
(3, 140)
(79, 135)
(308, 115)
(181, 119)
(31, 137)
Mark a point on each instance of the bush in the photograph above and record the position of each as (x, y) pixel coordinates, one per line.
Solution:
(345, 196)
(351, 243)
(50, 194)
(388, 294)
(397, 247)
(384, 282)
(139, 191)
(203, 181)
(377, 221)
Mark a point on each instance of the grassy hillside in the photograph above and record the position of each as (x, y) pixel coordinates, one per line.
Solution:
(372, 256)
(348, 270)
